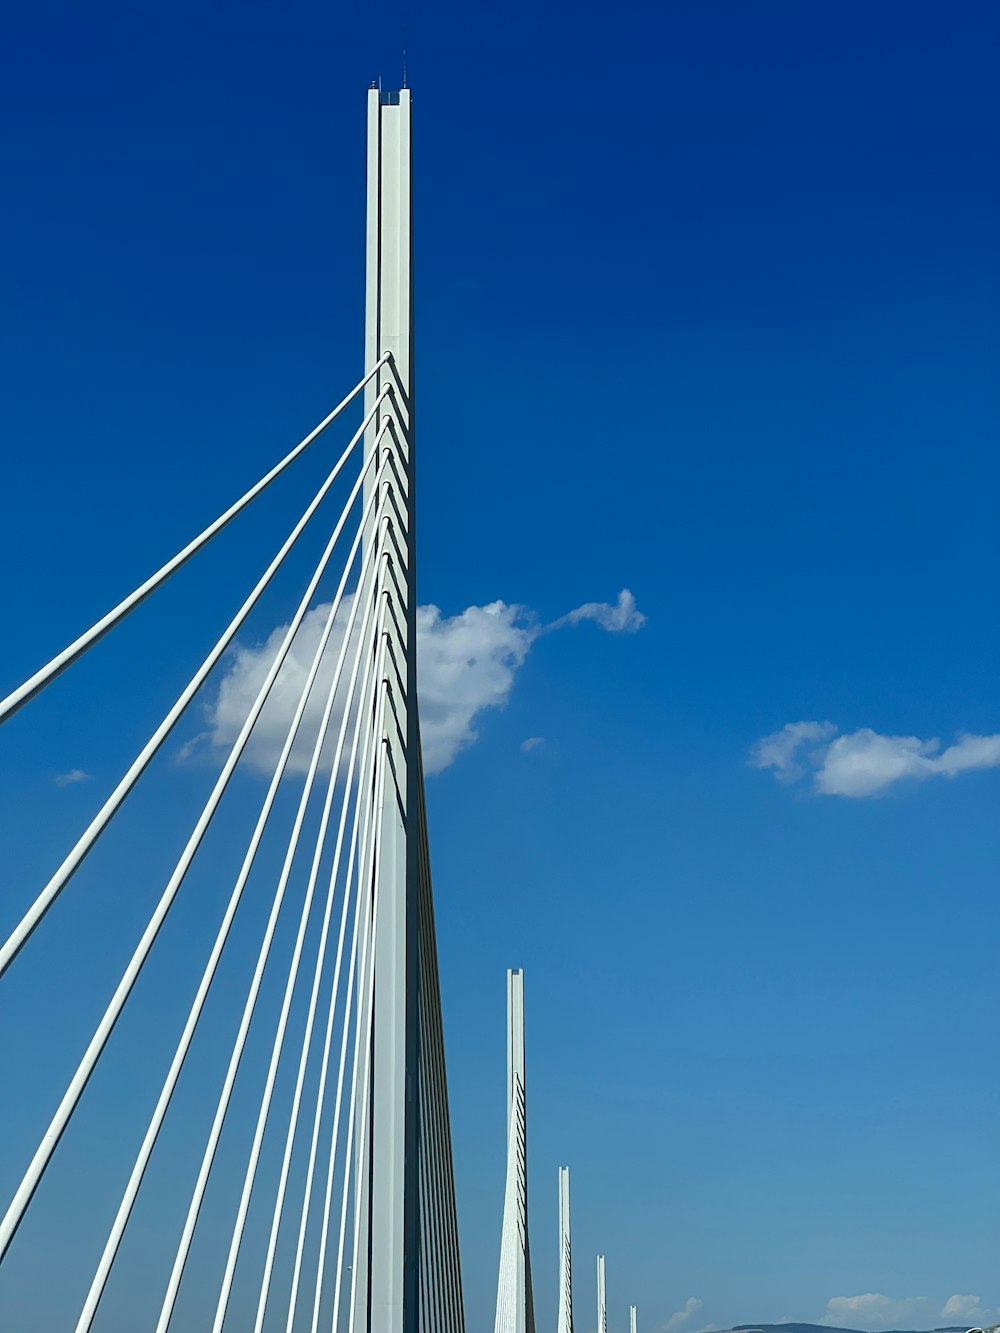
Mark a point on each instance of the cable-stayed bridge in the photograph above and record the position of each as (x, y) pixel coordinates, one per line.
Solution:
(311, 1186)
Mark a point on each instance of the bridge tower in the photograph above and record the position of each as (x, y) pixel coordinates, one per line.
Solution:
(385, 1289)
(515, 1301)
(602, 1297)
(410, 1279)
(385, 1124)
(565, 1323)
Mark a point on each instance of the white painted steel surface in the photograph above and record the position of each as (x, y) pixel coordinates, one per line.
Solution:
(515, 1302)
(565, 1321)
(386, 1281)
(441, 1305)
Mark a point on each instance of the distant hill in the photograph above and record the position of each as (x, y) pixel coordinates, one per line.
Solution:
(825, 1328)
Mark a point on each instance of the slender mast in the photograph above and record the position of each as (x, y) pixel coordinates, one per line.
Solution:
(386, 1290)
(515, 1302)
(565, 1324)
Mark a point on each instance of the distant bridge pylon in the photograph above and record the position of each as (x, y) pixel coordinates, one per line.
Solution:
(565, 1320)
(515, 1300)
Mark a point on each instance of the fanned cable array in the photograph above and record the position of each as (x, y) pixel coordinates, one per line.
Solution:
(348, 694)
(284, 1162)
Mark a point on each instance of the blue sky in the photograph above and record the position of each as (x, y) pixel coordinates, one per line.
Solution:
(706, 309)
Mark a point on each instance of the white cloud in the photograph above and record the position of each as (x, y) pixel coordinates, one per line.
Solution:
(780, 750)
(246, 674)
(968, 1310)
(864, 762)
(875, 1312)
(467, 663)
(968, 753)
(622, 617)
(531, 743)
(70, 779)
(691, 1306)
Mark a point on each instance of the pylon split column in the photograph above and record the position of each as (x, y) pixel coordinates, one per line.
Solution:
(386, 1287)
(565, 1323)
(515, 1301)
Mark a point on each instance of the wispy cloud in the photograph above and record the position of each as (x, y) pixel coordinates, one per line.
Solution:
(680, 1317)
(71, 778)
(780, 750)
(620, 617)
(968, 1310)
(467, 663)
(877, 1312)
(865, 762)
(874, 1311)
(531, 743)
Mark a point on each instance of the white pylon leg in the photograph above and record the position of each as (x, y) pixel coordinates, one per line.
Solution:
(386, 1285)
(515, 1301)
(602, 1297)
(631, 1319)
(565, 1324)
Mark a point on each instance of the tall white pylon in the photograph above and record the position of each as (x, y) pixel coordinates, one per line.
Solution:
(565, 1324)
(515, 1303)
(602, 1297)
(385, 1280)
(382, 1138)
(631, 1319)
